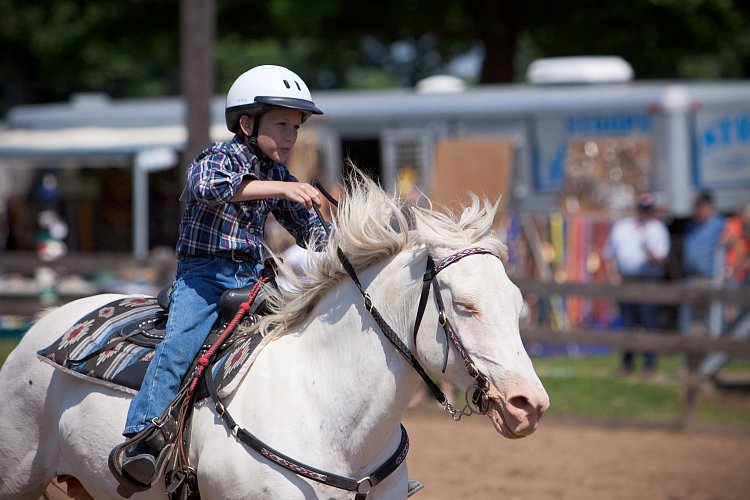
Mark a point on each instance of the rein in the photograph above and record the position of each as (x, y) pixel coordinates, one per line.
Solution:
(360, 487)
(477, 402)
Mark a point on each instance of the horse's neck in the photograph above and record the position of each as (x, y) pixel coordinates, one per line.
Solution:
(342, 371)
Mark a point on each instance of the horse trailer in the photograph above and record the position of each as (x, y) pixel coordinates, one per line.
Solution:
(587, 147)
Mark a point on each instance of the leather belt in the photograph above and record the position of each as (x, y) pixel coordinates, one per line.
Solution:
(233, 255)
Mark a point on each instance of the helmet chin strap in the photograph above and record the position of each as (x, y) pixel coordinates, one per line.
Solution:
(264, 162)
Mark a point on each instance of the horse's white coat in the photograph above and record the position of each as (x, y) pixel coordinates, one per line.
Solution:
(330, 392)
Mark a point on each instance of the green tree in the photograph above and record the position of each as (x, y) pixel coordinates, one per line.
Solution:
(660, 38)
(52, 48)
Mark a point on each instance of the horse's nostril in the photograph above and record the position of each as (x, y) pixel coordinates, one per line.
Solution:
(522, 403)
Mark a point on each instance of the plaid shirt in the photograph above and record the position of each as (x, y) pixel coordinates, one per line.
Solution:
(212, 223)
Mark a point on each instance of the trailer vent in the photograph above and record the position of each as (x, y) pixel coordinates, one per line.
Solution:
(577, 70)
(407, 152)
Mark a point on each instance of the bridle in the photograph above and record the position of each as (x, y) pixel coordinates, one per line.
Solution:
(476, 402)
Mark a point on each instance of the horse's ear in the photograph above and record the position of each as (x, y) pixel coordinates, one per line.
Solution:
(396, 224)
(408, 216)
(411, 221)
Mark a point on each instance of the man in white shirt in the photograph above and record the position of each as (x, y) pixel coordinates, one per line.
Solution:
(637, 250)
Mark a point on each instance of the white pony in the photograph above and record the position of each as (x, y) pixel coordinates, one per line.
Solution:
(329, 390)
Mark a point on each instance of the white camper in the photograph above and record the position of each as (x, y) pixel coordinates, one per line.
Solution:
(585, 146)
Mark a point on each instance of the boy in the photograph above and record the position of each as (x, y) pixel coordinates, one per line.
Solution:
(231, 189)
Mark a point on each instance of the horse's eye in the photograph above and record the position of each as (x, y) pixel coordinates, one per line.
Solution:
(467, 306)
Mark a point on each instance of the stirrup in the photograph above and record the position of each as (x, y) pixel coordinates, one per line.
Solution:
(138, 463)
(414, 486)
(128, 484)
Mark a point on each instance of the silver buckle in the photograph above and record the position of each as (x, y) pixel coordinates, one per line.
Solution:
(367, 482)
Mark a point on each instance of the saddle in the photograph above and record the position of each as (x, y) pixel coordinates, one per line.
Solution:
(113, 346)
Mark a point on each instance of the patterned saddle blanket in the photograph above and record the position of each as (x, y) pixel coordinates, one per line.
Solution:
(114, 344)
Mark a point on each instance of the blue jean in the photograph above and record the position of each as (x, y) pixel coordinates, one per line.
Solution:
(194, 308)
(633, 315)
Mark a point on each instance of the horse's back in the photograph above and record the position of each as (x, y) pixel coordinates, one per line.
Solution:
(31, 404)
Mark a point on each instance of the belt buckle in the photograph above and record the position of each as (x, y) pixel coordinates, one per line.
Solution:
(237, 256)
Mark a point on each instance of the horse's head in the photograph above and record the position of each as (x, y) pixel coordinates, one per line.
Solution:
(482, 309)
(480, 302)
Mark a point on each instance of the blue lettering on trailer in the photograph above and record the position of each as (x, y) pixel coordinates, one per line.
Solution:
(622, 123)
(726, 132)
(723, 150)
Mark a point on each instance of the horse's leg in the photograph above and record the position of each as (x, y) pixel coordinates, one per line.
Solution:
(90, 426)
(29, 451)
(30, 409)
(73, 488)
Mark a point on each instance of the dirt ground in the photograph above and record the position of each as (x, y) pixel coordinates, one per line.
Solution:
(571, 461)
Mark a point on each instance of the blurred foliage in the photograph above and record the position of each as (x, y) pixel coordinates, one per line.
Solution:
(53, 48)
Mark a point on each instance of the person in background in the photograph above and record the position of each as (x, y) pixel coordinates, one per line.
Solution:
(736, 241)
(702, 262)
(232, 188)
(637, 251)
(736, 238)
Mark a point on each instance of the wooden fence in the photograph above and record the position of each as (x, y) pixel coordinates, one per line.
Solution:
(695, 346)
(21, 296)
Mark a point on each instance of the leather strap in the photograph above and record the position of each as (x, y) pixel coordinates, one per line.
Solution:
(402, 348)
(360, 486)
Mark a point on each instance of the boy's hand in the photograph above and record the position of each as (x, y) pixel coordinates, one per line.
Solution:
(302, 193)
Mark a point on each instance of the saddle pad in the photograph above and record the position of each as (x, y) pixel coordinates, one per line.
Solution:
(114, 344)
(122, 364)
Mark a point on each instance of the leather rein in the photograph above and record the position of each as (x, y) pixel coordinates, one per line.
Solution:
(477, 402)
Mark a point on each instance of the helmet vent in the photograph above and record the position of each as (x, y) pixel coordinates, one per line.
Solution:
(297, 84)
(286, 84)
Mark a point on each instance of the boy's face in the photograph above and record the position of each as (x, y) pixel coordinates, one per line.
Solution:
(277, 132)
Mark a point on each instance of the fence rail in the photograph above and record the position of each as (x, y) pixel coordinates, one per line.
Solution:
(694, 346)
(697, 346)
(27, 299)
(657, 292)
(666, 341)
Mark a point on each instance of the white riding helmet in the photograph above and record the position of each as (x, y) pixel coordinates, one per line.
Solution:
(263, 87)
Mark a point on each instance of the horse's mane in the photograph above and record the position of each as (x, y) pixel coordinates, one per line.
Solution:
(371, 226)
